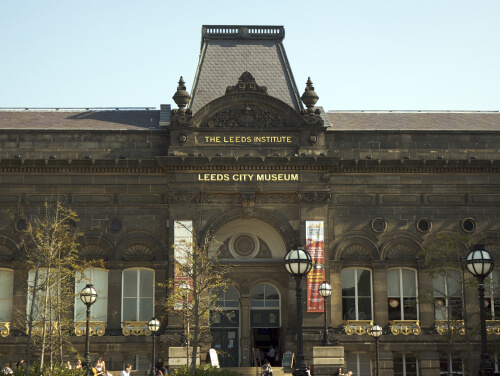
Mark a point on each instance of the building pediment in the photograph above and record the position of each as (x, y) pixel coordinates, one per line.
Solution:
(246, 121)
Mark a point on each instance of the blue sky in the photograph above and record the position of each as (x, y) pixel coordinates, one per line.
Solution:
(361, 55)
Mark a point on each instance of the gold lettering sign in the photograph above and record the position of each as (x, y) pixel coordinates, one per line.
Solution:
(248, 139)
(273, 177)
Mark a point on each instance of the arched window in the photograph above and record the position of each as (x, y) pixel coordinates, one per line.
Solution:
(6, 294)
(402, 294)
(98, 310)
(137, 294)
(357, 294)
(229, 299)
(264, 296)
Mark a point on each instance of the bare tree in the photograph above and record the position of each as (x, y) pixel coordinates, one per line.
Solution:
(194, 292)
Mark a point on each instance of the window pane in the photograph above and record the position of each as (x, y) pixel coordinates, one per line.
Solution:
(348, 283)
(232, 293)
(130, 309)
(364, 309)
(393, 283)
(348, 309)
(438, 286)
(257, 293)
(145, 309)
(130, 283)
(394, 308)
(6, 294)
(409, 286)
(410, 309)
(146, 283)
(271, 292)
(364, 282)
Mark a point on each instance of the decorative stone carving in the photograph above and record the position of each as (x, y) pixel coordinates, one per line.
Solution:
(245, 285)
(325, 178)
(248, 203)
(93, 252)
(6, 254)
(356, 252)
(181, 97)
(176, 197)
(314, 196)
(401, 252)
(246, 83)
(245, 116)
(221, 198)
(276, 198)
(264, 251)
(244, 245)
(224, 250)
(138, 252)
(309, 97)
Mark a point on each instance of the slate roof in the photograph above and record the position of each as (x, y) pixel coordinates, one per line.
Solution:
(414, 121)
(78, 120)
(229, 51)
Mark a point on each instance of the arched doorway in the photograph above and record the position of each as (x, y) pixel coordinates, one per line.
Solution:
(265, 323)
(225, 328)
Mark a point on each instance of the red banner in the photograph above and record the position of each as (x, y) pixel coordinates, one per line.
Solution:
(315, 245)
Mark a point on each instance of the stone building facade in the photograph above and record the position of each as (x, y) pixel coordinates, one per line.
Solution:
(242, 157)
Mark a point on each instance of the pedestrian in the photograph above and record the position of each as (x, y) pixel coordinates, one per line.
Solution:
(68, 365)
(20, 364)
(340, 372)
(6, 370)
(267, 370)
(271, 354)
(349, 373)
(308, 371)
(126, 371)
(78, 364)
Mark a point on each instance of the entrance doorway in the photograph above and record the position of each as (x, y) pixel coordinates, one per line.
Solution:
(225, 342)
(266, 339)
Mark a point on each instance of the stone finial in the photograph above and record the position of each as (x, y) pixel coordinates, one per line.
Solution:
(309, 97)
(181, 96)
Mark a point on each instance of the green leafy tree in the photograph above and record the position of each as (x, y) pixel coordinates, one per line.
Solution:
(51, 259)
(194, 292)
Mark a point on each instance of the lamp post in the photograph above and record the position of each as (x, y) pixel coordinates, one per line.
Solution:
(480, 264)
(376, 332)
(298, 263)
(88, 296)
(153, 326)
(325, 290)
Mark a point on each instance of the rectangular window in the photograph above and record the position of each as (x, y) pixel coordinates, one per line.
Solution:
(447, 290)
(98, 310)
(492, 296)
(359, 364)
(405, 365)
(137, 295)
(43, 307)
(356, 294)
(402, 294)
(457, 366)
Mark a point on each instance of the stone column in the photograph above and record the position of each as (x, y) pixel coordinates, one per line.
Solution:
(114, 298)
(381, 314)
(335, 299)
(386, 363)
(246, 337)
(424, 288)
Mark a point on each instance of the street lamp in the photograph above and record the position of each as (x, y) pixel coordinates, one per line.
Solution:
(480, 264)
(298, 263)
(325, 290)
(376, 332)
(88, 296)
(153, 326)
